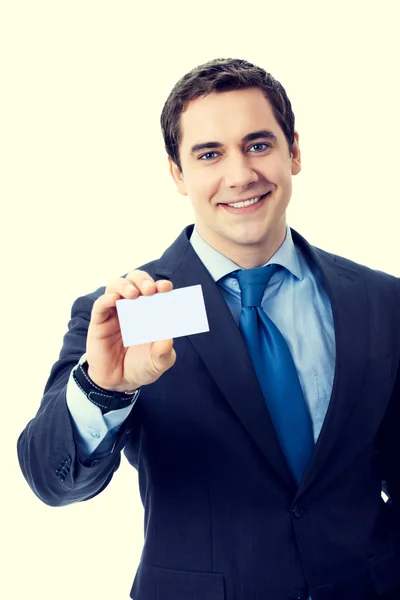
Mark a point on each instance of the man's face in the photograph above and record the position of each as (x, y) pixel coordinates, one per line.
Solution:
(236, 170)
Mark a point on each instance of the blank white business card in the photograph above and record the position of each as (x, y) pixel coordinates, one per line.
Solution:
(162, 316)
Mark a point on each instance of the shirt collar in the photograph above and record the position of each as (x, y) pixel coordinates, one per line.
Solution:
(219, 265)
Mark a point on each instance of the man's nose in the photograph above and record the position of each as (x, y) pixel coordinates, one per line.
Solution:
(239, 172)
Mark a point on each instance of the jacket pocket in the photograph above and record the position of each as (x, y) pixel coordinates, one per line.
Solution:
(377, 370)
(384, 570)
(157, 583)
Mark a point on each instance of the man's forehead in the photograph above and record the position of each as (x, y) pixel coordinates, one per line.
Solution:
(235, 113)
(221, 101)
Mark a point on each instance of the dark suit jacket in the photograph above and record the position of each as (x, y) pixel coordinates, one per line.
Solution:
(224, 519)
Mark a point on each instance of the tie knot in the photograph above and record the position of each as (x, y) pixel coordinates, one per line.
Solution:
(252, 283)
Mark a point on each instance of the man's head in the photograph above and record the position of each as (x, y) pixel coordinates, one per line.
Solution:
(224, 102)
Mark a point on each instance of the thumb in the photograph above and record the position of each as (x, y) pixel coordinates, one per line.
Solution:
(163, 354)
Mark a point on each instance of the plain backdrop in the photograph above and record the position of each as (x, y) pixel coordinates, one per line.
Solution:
(86, 196)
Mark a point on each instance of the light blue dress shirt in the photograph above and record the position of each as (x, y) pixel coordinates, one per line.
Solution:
(295, 300)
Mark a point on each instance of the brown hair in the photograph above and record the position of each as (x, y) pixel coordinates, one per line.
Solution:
(222, 75)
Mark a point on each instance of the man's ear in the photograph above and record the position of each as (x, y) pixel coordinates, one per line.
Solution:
(296, 155)
(177, 176)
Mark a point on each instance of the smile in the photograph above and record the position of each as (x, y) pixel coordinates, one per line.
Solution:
(246, 206)
(246, 202)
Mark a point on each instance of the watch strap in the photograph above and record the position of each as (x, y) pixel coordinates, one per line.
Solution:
(106, 400)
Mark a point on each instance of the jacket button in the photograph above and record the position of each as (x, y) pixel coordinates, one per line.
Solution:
(298, 511)
(298, 594)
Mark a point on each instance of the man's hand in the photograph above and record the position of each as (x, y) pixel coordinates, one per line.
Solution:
(111, 365)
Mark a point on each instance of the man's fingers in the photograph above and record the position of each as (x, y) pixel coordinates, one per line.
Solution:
(132, 286)
(142, 281)
(164, 285)
(123, 287)
(102, 306)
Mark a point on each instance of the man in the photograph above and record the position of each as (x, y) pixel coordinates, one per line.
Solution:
(262, 445)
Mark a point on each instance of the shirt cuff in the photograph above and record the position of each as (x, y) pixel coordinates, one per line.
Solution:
(91, 425)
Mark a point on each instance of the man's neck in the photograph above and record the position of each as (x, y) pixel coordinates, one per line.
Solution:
(248, 256)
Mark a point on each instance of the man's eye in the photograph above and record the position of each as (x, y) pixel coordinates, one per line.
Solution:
(206, 154)
(202, 157)
(267, 145)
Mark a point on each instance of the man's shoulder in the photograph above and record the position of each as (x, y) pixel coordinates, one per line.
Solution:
(360, 268)
(347, 265)
(373, 279)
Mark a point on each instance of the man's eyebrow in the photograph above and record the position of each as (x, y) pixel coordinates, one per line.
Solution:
(250, 137)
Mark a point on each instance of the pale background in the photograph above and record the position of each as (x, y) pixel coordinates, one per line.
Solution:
(86, 196)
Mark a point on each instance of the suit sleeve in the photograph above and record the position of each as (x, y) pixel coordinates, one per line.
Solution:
(47, 447)
(388, 446)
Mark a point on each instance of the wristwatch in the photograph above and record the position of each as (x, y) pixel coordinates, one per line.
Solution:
(106, 400)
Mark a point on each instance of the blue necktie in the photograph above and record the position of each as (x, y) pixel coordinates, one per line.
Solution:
(275, 370)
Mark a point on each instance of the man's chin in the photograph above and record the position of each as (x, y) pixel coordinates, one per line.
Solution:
(250, 238)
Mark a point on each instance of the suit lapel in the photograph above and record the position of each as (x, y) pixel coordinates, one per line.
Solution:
(350, 316)
(224, 352)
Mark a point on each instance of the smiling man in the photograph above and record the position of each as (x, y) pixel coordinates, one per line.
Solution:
(263, 445)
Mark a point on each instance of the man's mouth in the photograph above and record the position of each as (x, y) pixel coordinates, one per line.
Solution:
(246, 205)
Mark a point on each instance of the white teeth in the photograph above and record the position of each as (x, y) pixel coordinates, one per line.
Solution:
(245, 203)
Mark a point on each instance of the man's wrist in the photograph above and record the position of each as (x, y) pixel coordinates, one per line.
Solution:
(118, 389)
(106, 400)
